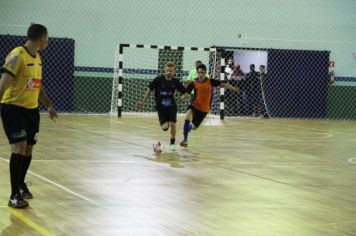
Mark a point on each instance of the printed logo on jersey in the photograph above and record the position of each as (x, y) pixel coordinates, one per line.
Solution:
(11, 60)
(165, 93)
(33, 83)
(166, 102)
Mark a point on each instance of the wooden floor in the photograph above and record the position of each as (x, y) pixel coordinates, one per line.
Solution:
(97, 175)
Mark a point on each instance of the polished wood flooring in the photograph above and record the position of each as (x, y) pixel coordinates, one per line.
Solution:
(97, 175)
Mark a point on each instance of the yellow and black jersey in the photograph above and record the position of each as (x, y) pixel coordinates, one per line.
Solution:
(25, 86)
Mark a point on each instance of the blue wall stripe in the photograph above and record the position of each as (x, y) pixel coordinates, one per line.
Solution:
(128, 70)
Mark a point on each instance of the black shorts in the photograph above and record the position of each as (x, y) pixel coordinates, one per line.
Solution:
(198, 116)
(167, 114)
(20, 123)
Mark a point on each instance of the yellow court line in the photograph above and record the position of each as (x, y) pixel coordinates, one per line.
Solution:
(27, 221)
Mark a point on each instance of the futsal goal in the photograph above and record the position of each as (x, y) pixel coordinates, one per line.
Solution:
(137, 65)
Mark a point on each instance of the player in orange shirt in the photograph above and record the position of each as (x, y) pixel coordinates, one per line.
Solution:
(200, 107)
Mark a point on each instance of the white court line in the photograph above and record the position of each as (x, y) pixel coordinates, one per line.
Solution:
(59, 186)
(219, 122)
(275, 139)
(352, 160)
(103, 118)
(138, 126)
(84, 161)
(304, 127)
(115, 121)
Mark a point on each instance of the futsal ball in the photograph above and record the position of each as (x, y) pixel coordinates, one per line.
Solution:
(157, 147)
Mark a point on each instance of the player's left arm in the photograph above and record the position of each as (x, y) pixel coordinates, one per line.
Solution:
(185, 95)
(180, 87)
(224, 85)
(48, 104)
(4, 83)
(229, 86)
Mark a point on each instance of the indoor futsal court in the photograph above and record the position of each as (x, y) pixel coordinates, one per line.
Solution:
(237, 177)
(270, 84)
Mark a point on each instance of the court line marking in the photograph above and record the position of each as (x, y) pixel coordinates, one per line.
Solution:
(314, 139)
(59, 186)
(41, 230)
(195, 159)
(302, 139)
(115, 121)
(239, 163)
(85, 161)
(303, 127)
(352, 160)
(234, 118)
(104, 136)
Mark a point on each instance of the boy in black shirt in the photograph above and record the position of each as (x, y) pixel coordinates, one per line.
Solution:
(164, 87)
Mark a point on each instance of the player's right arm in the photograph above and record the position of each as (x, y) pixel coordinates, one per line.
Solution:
(184, 97)
(187, 95)
(13, 64)
(145, 97)
(153, 85)
(4, 82)
(229, 86)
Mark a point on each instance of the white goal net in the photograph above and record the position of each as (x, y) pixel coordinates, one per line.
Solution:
(274, 83)
(137, 65)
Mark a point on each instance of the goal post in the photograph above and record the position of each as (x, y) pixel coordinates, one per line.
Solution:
(136, 65)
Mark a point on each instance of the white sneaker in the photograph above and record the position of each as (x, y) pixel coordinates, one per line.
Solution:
(173, 147)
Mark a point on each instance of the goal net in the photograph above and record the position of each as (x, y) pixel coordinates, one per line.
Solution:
(278, 83)
(274, 83)
(137, 65)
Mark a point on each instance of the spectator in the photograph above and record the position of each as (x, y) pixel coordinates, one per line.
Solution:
(253, 92)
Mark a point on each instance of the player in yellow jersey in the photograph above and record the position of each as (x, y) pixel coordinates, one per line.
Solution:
(20, 90)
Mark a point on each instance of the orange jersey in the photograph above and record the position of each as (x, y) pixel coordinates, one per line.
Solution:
(203, 93)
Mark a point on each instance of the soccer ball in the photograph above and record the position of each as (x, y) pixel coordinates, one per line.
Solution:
(158, 147)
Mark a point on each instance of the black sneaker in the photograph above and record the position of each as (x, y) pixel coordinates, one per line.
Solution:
(25, 192)
(17, 202)
(184, 143)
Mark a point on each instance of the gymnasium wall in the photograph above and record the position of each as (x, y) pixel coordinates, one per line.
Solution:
(99, 26)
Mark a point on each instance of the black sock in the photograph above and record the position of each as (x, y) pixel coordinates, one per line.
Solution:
(16, 162)
(173, 140)
(26, 165)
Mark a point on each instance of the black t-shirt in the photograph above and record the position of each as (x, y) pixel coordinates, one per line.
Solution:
(252, 81)
(164, 91)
